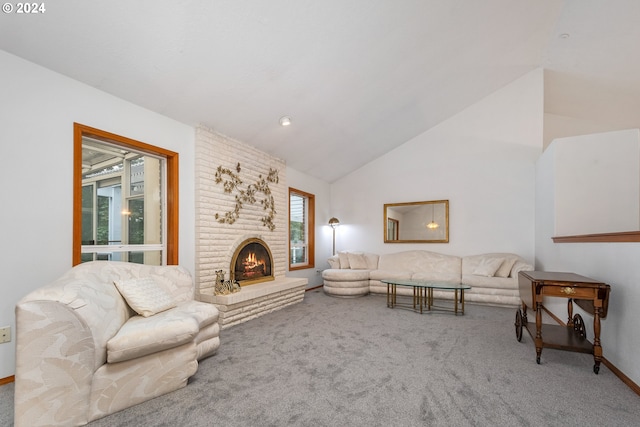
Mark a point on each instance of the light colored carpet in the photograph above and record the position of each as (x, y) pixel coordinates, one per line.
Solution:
(353, 362)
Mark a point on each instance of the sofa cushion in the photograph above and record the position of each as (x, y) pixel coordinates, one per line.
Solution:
(489, 282)
(334, 261)
(390, 274)
(140, 336)
(357, 261)
(471, 262)
(372, 260)
(488, 267)
(505, 267)
(345, 275)
(344, 260)
(145, 295)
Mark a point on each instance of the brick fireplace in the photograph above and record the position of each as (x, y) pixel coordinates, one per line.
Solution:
(217, 243)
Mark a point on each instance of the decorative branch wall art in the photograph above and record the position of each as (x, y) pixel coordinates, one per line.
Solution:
(232, 183)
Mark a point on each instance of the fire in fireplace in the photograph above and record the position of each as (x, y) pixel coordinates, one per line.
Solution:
(252, 262)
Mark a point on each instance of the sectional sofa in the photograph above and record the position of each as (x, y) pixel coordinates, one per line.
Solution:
(106, 336)
(493, 277)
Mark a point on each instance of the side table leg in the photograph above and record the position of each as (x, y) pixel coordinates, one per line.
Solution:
(597, 347)
(538, 339)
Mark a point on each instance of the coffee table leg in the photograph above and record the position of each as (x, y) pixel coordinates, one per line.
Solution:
(462, 299)
(393, 295)
(456, 303)
(388, 295)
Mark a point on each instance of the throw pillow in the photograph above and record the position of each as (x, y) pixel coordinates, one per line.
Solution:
(344, 259)
(357, 261)
(505, 268)
(145, 296)
(488, 267)
(334, 262)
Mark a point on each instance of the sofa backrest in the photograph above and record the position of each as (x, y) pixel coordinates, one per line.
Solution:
(88, 290)
(423, 262)
(98, 305)
(354, 260)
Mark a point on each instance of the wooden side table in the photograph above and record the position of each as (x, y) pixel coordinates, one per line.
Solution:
(590, 295)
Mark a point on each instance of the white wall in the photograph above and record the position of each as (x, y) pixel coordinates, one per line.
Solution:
(323, 236)
(597, 183)
(612, 263)
(558, 126)
(37, 111)
(482, 160)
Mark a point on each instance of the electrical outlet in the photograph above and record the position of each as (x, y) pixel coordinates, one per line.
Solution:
(5, 334)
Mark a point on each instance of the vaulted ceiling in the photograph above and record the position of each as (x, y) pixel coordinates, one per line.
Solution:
(357, 77)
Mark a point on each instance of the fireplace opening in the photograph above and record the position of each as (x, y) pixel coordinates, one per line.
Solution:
(252, 262)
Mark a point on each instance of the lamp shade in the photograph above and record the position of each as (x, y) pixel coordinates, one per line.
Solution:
(334, 222)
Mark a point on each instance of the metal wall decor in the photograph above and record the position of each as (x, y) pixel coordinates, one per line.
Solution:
(248, 195)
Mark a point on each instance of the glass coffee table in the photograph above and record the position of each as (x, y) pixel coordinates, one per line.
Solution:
(423, 294)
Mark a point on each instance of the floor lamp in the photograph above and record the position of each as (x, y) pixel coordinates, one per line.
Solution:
(333, 223)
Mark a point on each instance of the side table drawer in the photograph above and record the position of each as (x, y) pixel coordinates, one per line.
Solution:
(569, 292)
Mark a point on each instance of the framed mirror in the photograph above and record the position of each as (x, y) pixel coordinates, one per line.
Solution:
(417, 222)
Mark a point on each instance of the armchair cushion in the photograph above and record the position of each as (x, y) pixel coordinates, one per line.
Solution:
(140, 336)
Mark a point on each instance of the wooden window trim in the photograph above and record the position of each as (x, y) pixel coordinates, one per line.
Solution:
(312, 227)
(621, 237)
(172, 202)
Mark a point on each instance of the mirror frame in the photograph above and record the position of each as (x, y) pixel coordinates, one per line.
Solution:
(429, 202)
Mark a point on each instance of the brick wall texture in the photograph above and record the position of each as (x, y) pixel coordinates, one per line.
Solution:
(215, 241)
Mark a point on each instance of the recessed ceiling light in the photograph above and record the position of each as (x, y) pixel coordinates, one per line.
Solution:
(565, 35)
(285, 121)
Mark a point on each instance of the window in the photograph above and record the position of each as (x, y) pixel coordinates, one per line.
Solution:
(301, 229)
(393, 226)
(125, 200)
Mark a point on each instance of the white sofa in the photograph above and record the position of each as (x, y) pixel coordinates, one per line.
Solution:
(82, 352)
(493, 277)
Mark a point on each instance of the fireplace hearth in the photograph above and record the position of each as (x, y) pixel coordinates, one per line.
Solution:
(252, 263)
